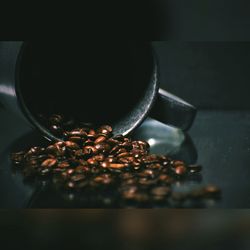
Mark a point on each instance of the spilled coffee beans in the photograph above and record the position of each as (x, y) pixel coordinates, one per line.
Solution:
(92, 158)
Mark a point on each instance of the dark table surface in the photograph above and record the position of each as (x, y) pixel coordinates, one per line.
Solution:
(219, 140)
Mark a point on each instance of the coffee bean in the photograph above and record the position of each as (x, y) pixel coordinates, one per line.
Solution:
(147, 182)
(116, 165)
(102, 147)
(129, 159)
(105, 130)
(126, 176)
(129, 192)
(178, 163)
(100, 139)
(160, 191)
(79, 153)
(71, 145)
(104, 179)
(77, 177)
(211, 189)
(49, 163)
(77, 133)
(63, 164)
(70, 171)
(166, 179)
(180, 170)
(76, 139)
(99, 157)
(89, 150)
(82, 169)
(111, 159)
(105, 164)
(92, 161)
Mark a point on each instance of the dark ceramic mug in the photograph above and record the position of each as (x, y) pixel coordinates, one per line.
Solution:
(98, 82)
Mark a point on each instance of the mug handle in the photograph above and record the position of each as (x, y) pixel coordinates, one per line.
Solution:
(173, 111)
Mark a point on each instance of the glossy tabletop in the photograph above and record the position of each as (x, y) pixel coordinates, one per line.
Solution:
(219, 140)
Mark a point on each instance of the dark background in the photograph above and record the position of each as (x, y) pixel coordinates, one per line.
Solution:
(210, 75)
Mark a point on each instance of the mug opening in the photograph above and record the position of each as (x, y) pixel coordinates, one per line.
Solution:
(100, 83)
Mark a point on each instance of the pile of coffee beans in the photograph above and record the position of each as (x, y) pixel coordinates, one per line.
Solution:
(92, 159)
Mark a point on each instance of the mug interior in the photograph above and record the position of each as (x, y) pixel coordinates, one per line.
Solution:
(94, 82)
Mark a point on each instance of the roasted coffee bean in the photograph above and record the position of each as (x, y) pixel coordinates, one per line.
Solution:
(49, 163)
(105, 164)
(120, 151)
(102, 147)
(116, 165)
(100, 139)
(136, 164)
(160, 191)
(91, 132)
(142, 145)
(127, 145)
(79, 153)
(105, 130)
(70, 171)
(92, 161)
(130, 181)
(82, 169)
(77, 177)
(32, 162)
(114, 149)
(154, 166)
(150, 159)
(146, 173)
(89, 150)
(55, 150)
(111, 159)
(126, 176)
(63, 164)
(72, 145)
(104, 179)
(211, 189)
(129, 192)
(95, 170)
(76, 139)
(177, 163)
(147, 182)
(99, 157)
(166, 179)
(127, 160)
(180, 170)
(77, 133)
